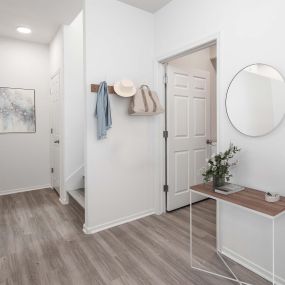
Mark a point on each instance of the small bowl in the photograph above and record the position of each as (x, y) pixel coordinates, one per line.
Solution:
(271, 199)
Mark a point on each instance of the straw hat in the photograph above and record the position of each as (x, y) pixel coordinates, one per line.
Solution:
(125, 88)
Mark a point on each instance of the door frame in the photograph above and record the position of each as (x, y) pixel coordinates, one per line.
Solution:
(214, 39)
(63, 197)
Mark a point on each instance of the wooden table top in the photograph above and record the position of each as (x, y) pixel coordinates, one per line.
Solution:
(249, 198)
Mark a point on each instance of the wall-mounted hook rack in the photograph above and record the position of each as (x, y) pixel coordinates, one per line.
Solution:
(95, 88)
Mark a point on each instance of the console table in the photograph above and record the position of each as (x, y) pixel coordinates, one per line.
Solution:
(248, 199)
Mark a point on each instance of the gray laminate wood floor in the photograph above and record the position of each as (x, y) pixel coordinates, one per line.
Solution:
(41, 242)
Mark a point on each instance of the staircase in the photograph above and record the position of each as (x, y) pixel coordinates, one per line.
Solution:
(79, 196)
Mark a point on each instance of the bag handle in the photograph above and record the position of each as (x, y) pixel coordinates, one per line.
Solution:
(151, 97)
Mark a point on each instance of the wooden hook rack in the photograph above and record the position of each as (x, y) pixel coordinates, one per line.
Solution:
(95, 88)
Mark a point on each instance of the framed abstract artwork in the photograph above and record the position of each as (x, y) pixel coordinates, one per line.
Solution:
(17, 110)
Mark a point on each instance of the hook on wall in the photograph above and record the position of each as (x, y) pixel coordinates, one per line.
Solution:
(95, 88)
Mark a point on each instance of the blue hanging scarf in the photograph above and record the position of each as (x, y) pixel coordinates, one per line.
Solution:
(103, 111)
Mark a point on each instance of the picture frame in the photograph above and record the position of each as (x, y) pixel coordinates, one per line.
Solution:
(17, 110)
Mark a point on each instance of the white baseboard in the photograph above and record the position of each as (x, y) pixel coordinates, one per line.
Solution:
(26, 189)
(99, 228)
(251, 266)
(64, 201)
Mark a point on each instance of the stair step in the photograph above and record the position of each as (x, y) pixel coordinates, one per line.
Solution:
(79, 196)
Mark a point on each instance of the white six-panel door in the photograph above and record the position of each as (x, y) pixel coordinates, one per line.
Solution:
(189, 128)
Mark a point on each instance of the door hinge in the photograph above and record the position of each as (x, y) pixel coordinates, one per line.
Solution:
(165, 78)
(165, 134)
(52, 170)
(165, 188)
(51, 130)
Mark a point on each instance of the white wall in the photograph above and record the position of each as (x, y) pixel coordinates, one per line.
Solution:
(25, 159)
(250, 33)
(74, 104)
(119, 170)
(56, 53)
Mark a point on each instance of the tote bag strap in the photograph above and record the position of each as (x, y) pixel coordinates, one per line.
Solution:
(151, 97)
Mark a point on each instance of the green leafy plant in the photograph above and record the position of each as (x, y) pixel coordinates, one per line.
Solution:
(219, 164)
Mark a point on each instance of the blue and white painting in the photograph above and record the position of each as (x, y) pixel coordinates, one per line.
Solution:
(17, 110)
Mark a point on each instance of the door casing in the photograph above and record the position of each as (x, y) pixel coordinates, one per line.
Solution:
(213, 39)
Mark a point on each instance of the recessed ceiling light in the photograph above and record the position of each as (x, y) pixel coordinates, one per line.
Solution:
(24, 30)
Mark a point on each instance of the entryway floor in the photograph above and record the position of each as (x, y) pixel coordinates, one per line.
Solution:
(41, 242)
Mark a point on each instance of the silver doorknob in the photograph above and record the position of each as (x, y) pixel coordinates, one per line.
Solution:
(57, 141)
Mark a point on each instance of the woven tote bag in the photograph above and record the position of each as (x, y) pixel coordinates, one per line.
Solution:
(145, 103)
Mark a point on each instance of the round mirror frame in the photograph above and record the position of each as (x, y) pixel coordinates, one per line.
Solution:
(227, 94)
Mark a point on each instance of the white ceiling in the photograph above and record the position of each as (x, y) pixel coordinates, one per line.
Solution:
(44, 17)
(147, 5)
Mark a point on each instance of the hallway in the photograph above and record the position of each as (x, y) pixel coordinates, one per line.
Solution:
(42, 243)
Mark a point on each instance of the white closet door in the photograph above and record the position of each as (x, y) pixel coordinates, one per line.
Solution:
(189, 129)
(55, 133)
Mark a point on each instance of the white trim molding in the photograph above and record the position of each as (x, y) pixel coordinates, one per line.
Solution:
(264, 273)
(190, 48)
(26, 189)
(79, 169)
(64, 201)
(92, 230)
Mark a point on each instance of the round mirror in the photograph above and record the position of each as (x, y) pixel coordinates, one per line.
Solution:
(256, 100)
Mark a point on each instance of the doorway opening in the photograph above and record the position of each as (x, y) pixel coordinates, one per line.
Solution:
(67, 105)
(55, 113)
(190, 122)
